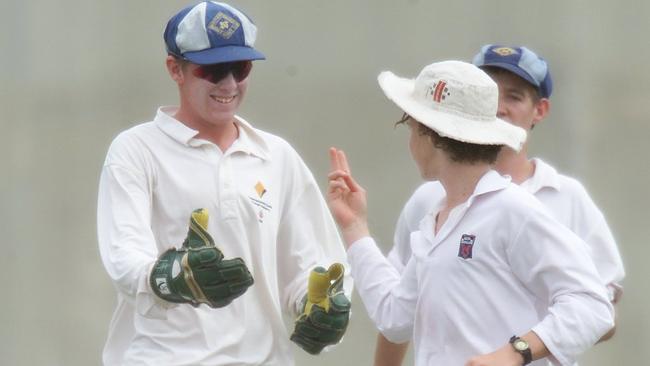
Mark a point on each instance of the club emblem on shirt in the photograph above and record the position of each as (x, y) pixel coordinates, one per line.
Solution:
(259, 188)
(466, 245)
(262, 207)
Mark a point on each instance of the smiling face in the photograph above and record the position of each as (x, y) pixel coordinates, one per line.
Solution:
(205, 104)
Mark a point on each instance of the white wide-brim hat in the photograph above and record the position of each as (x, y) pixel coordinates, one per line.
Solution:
(457, 100)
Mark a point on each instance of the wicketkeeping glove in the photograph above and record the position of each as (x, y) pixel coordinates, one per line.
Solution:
(326, 310)
(197, 273)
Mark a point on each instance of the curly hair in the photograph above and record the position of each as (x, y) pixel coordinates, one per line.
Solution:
(458, 151)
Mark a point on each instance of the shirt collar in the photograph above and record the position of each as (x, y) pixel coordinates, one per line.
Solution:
(490, 182)
(173, 127)
(544, 176)
(249, 141)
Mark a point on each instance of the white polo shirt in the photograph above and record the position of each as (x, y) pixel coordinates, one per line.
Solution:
(570, 204)
(468, 289)
(264, 207)
(564, 197)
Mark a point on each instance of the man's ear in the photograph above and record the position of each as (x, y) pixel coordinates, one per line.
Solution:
(174, 68)
(542, 107)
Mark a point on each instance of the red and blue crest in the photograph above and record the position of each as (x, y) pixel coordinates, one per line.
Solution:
(466, 245)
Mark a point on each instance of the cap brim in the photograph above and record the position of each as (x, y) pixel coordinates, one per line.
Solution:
(223, 54)
(513, 69)
(491, 132)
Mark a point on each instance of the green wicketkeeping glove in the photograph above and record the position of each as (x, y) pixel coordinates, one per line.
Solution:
(197, 273)
(326, 310)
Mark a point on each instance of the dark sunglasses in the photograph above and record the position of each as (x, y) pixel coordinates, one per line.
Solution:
(216, 72)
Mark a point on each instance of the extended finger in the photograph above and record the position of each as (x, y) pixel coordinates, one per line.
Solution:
(343, 161)
(334, 159)
(352, 184)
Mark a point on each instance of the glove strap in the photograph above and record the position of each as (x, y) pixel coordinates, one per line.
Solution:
(194, 287)
(161, 279)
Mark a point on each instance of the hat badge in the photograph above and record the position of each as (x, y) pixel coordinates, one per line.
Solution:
(438, 91)
(504, 51)
(224, 25)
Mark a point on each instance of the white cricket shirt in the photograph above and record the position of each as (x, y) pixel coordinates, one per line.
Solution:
(570, 204)
(564, 197)
(468, 289)
(264, 207)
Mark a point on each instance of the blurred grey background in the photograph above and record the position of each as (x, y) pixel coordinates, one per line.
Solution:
(74, 73)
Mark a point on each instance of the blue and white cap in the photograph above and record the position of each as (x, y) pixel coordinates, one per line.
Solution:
(210, 33)
(520, 61)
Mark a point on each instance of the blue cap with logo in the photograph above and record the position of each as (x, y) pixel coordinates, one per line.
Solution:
(211, 32)
(520, 61)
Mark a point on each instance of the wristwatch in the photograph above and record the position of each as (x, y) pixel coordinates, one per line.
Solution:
(521, 347)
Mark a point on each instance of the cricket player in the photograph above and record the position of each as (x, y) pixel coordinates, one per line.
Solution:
(212, 231)
(525, 86)
(485, 254)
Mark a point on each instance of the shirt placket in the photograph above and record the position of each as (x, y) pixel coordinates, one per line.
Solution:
(447, 228)
(228, 197)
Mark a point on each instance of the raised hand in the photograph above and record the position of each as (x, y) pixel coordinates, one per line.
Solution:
(346, 199)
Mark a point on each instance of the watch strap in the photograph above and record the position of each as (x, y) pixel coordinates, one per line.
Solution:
(525, 353)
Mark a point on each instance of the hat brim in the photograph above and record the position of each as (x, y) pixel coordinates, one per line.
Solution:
(491, 132)
(223, 54)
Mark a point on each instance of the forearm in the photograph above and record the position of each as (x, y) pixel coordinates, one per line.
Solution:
(389, 299)
(388, 353)
(506, 355)
(126, 241)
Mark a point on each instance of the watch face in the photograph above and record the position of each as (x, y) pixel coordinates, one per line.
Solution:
(520, 345)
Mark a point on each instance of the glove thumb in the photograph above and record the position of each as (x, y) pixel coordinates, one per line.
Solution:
(323, 283)
(197, 235)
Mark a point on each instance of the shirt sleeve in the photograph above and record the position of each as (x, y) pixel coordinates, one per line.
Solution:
(554, 264)
(593, 229)
(389, 297)
(126, 241)
(307, 238)
(417, 207)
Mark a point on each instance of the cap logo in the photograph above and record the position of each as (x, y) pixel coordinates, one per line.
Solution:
(438, 91)
(224, 25)
(504, 51)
